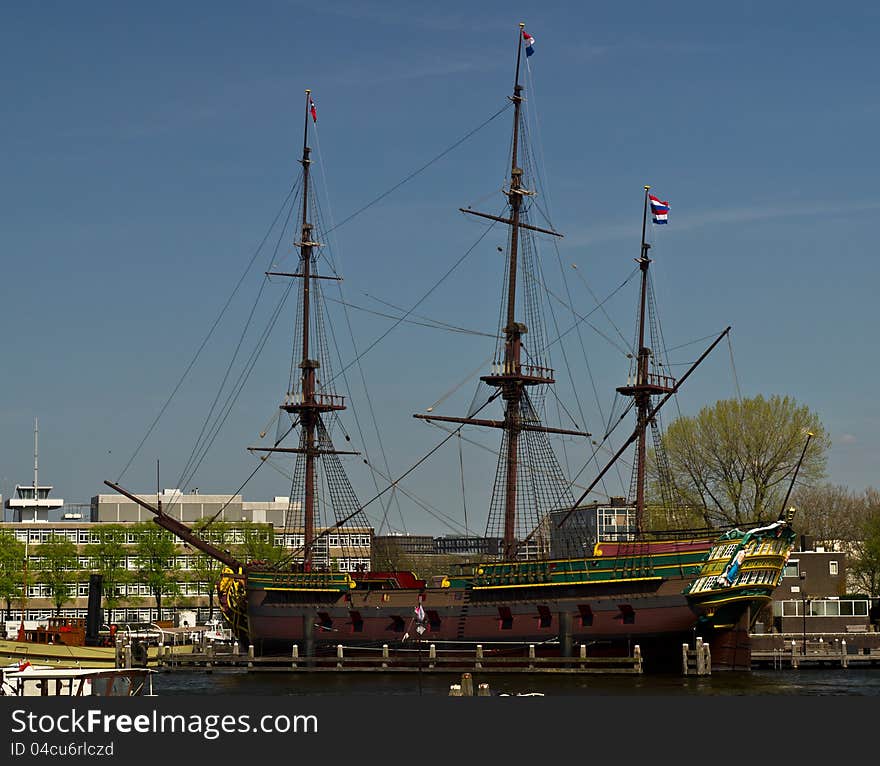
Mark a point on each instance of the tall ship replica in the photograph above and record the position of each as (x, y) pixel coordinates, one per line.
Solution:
(560, 580)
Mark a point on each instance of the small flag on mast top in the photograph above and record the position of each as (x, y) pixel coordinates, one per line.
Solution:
(659, 210)
(313, 110)
(530, 43)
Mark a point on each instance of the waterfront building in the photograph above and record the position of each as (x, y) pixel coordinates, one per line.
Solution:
(239, 523)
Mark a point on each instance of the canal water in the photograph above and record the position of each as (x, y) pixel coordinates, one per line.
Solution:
(814, 682)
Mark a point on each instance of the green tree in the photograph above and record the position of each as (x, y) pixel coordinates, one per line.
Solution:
(831, 514)
(12, 554)
(735, 460)
(864, 565)
(205, 569)
(155, 558)
(58, 569)
(257, 544)
(107, 557)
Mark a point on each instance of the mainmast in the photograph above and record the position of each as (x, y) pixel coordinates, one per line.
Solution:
(511, 376)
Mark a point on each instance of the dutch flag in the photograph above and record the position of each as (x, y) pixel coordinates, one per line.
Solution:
(530, 43)
(659, 210)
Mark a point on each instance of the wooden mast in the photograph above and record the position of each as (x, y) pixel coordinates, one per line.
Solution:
(512, 378)
(309, 404)
(308, 414)
(645, 384)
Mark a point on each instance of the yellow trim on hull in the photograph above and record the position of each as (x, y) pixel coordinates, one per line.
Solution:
(730, 600)
(567, 582)
(310, 590)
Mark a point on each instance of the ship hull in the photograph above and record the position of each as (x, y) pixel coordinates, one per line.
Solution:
(606, 620)
(657, 597)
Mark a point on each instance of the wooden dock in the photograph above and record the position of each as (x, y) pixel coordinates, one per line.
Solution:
(814, 654)
(696, 660)
(383, 660)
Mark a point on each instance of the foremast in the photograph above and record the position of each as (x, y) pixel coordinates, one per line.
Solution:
(511, 377)
(643, 385)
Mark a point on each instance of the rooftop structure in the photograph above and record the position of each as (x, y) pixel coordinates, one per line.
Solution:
(33, 503)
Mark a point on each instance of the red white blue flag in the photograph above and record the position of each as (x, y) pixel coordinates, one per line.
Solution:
(659, 210)
(313, 110)
(530, 43)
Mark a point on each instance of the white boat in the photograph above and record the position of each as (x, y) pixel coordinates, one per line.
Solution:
(216, 633)
(26, 680)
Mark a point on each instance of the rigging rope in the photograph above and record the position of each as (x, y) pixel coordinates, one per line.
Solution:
(209, 334)
(263, 283)
(382, 451)
(422, 168)
(395, 482)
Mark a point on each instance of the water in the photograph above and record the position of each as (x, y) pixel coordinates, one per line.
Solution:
(813, 682)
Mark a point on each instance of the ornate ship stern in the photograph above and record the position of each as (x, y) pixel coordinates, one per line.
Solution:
(735, 582)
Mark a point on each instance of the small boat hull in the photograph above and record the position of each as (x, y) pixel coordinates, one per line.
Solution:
(64, 656)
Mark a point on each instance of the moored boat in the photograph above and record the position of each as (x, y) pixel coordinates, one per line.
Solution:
(62, 643)
(26, 680)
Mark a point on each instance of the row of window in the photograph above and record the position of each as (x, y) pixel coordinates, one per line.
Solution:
(122, 591)
(793, 568)
(182, 563)
(334, 541)
(85, 537)
(823, 608)
(119, 615)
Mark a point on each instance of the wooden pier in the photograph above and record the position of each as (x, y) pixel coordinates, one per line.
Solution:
(383, 660)
(695, 660)
(814, 654)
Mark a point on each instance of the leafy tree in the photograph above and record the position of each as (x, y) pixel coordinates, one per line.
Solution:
(12, 554)
(257, 544)
(735, 460)
(155, 558)
(107, 557)
(208, 570)
(58, 569)
(864, 568)
(831, 514)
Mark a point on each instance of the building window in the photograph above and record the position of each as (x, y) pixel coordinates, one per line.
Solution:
(792, 569)
(832, 568)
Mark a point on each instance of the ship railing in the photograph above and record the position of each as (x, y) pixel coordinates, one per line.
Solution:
(321, 399)
(664, 381)
(527, 370)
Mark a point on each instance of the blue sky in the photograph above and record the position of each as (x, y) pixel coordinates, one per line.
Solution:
(148, 148)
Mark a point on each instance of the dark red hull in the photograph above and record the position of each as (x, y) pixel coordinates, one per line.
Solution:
(609, 619)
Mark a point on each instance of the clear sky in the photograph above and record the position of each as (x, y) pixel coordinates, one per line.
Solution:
(148, 147)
